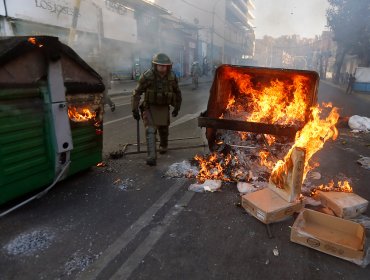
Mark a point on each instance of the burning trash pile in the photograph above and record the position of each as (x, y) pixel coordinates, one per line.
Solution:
(263, 128)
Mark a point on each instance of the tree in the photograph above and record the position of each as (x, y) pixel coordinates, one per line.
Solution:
(350, 22)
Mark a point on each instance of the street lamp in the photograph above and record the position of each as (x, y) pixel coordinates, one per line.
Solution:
(212, 31)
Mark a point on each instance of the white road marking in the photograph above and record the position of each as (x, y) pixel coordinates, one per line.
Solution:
(121, 97)
(123, 104)
(155, 234)
(179, 121)
(185, 118)
(114, 249)
(117, 120)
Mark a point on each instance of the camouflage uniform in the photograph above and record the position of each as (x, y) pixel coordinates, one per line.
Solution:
(159, 94)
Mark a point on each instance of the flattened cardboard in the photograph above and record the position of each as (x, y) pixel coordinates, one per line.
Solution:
(329, 234)
(268, 207)
(344, 205)
(291, 182)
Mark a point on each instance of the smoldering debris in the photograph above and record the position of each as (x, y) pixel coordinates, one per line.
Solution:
(238, 157)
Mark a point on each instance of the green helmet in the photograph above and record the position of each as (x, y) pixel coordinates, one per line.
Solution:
(161, 59)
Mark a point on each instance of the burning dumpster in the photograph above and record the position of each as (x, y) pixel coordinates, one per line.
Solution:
(260, 100)
(252, 117)
(263, 126)
(51, 114)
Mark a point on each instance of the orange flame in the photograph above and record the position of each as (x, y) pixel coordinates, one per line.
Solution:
(33, 41)
(212, 167)
(342, 186)
(311, 138)
(263, 159)
(80, 114)
(281, 102)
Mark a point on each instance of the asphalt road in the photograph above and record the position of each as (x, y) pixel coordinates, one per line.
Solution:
(127, 221)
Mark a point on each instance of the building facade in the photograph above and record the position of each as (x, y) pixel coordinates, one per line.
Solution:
(225, 29)
(123, 35)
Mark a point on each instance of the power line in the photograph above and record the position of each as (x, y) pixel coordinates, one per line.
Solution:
(197, 7)
(203, 10)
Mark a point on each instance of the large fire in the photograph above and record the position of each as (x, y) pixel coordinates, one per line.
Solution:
(311, 138)
(283, 102)
(80, 114)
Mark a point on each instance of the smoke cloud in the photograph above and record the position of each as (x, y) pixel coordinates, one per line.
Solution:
(287, 17)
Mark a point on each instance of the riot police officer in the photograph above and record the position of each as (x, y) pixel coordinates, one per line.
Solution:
(160, 87)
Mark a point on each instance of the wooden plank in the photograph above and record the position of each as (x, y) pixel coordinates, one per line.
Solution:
(274, 129)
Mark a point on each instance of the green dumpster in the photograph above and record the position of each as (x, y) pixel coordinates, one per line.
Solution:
(51, 114)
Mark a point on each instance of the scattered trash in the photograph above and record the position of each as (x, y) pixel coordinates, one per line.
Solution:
(358, 123)
(314, 175)
(244, 187)
(101, 164)
(123, 185)
(364, 162)
(29, 243)
(208, 185)
(118, 181)
(182, 169)
(78, 262)
(276, 252)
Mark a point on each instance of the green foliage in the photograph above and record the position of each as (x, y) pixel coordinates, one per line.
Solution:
(350, 22)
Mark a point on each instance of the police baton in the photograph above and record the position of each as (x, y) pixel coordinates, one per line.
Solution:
(138, 135)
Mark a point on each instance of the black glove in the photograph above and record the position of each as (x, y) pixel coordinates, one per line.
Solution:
(175, 112)
(136, 115)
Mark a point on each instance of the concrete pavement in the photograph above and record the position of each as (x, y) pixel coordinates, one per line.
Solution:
(126, 220)
(126, 87)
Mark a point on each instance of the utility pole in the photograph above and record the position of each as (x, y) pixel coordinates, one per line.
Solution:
(212, 32)
(72, 30)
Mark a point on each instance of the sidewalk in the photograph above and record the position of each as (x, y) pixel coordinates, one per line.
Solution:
(126, 87)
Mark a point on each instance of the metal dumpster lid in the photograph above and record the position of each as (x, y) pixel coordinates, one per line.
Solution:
(11, 48)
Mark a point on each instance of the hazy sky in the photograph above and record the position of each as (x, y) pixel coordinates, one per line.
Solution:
(288, 17)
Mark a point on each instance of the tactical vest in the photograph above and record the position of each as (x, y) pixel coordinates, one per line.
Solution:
(160, 91)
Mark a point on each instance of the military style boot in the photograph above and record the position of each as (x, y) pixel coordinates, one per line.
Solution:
(163, 136)
(151, 146)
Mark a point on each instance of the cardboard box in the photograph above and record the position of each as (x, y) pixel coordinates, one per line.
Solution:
(289, 184)
(344, 205)
(329, 234)
(268, 207)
